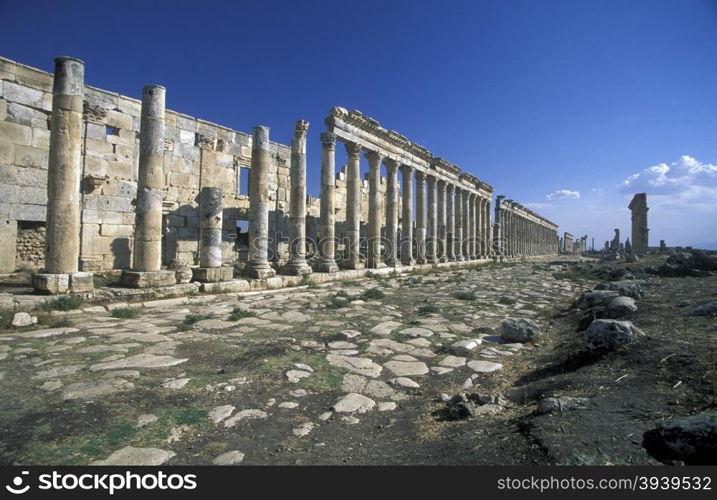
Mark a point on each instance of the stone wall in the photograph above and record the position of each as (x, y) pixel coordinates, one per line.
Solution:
(197, 153)
(30, 245)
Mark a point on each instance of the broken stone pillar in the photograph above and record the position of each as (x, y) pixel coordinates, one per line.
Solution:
(210, 268)
(353, 207)
(432, 233)
(458, 229)
(297, 264)
(638, 207)
(62, 243)
(391, 212)
(420, 218)
(374, 211)
(407, 216)
(615, 246)
(327, 222)
(663, 246)
(147, 255)
(441, 224)
(259, 204)
(450, 222)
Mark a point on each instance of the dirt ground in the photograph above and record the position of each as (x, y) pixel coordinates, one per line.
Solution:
(270, 368)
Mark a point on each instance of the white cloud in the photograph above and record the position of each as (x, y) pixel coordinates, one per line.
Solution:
(562, 194)
(684, 179)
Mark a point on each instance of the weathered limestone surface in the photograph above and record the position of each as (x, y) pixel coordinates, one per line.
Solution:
(327, 244)
(640, 231)
(297, 264)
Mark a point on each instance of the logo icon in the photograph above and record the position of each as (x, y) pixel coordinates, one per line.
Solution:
(18, 489)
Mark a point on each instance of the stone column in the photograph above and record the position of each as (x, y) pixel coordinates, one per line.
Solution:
(259, 204)
(467, 219)
(374, 211)
(499, 228)
(442, 254)
(432, 234)
(297, 203)
(407, 216)
(147, 255)
(353, 206)
(488, 228)
(391, 212)
(477, 226)
(62, 240)
(327, 221)
(420, 218)
(640, 231)
(210, 238)
(458, 232)
(450, 222)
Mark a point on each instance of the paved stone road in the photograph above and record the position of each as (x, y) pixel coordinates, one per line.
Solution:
(211, 383)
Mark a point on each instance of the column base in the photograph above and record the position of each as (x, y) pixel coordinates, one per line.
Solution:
(409, 262)
(421, 260)
(212, 274)
(392, 263)
(296, 268)
(443, 259)
(326, 266)
(147, 279)
(61, 283)
(377, 265)
(353, 265)
(259, 270)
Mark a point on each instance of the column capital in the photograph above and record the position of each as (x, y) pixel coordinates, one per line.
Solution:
(353, 149)
(328, 140)
(431, 180)
(300, 128)
(450, 188)
(406, 169)
(420, 175)
(373, 156)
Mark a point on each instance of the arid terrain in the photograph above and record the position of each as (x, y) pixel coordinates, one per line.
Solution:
(363, 372)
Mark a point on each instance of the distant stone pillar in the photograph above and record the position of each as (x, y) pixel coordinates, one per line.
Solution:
(441, 224)
(259, 205)
(407, 216)
(467, 237)
(62, 240)
(327, 221)
(297, 209)
(458, 232)
(477, 226)
(640, 231)
(488, 228)
(374, 259)
(210, 268)
(391, 212)
(353, 206)
(499, 228)
(450, 222)
(420, 218)
(432, 226)
(147, 256)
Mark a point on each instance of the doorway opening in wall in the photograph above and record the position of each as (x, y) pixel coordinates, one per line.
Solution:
(244, 175)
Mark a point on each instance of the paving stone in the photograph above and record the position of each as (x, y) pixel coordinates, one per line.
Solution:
(385, 328)
(288, 405)
(303, 430)
(136, 456)
(404, 383)
(146, 419)
(354, 403)
(387, 406)
(295, 376)
(406, 368)
(362, 366)
(342, 345)
(140, 361)
(417, 332)
(452, 361)
(59, 371)
(251, 414)
(233, 457)
(484, 366)
(95, 389)
(392, 345)
(303, 366)
(440, 370)
(325, 416)
(219, 413)
(176, 383)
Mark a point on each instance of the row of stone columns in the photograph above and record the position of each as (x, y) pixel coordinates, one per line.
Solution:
(451, 223)
(518, 234)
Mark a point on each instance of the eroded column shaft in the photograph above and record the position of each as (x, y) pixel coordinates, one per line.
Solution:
(374, 211)
(297, 208)
(353, 206)
(259, 205)
(210, 227)
(391, 212)
(327, 222)
(407, 216)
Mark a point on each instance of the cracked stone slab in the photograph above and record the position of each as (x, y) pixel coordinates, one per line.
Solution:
(219, 413)
(233, 457)
(140, 361)
(362, 366)
(392, 345)
(416, 332)
(385, 328)
(60, 371)
(452, 361)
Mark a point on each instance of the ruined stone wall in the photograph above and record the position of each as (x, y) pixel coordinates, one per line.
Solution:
(30, 245)
(197, 153)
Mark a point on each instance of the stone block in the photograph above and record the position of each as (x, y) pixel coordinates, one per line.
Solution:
(24, 95)
(25, 75)
(27, 156)
(8, 240)
(40, 138)
(25, 115)
(147, 279)
(81, 282)
(28, 212)
(16, 134)
(51, 283)
(119, 120)
(7, 152)
(212, 274)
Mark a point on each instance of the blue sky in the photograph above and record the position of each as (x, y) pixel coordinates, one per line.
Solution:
(569, 106)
